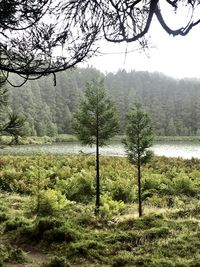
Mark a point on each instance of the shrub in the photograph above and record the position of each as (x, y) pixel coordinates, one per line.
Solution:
(90, 249)
(64, 233)
(17, 256)
(153, 181)
(183, 184)
(14, 224)
(50, 202)
(157, 201)
(80, 187)
(121, 191)
(56, 262)
(122, 259)
(4, 252)
(7, 178)
(3, 217)
(110, 207)
(155, 233)
(36, 231)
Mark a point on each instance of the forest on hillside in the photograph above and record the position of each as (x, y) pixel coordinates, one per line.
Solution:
(173, 104)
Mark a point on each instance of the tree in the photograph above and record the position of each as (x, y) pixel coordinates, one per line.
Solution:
(45, 36)
(14, 127)
(138, 139)
(10, 123)
(95, 123)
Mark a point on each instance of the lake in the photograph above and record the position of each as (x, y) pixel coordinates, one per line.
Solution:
(169, 149)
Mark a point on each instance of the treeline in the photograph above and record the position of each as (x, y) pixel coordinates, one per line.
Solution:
(172, 104)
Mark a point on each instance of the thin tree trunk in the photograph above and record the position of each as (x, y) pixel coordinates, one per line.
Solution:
(97, 179)
(38, 185)
(139, 188)
(97, 165)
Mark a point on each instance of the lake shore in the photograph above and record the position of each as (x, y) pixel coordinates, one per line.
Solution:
(65, 138)
(182, 149)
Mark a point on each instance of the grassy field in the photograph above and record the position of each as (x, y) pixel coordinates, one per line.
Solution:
(47, 212)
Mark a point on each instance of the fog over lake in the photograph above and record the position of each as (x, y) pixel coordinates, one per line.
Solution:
(182, 149)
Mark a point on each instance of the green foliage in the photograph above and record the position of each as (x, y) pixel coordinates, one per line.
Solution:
(95, 123)
(110, 207)
(61, 234)
(97, 116)
(121, 190)
(51, 202)
(79, 187)
(3, 217)
(17, 256)
(37, 230)
(12, 255)
(57, 262)
(164, 237)
(10, 122)
(15, 223)
(14, 126)
(73, 177)
(122, 259)
(139, 135)
(40, 101)
(183, 184)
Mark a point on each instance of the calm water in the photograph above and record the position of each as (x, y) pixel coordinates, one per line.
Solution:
(169, 149)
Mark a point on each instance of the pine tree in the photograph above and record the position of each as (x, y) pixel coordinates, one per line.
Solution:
(139, 138)
(10, 123)
(95, 123)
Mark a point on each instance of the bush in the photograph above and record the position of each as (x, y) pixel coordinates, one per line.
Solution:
(36, 232)
(17, 256)
(122, 259)
(7, 178)
(183, 184)
(110, 207)
(121, 191)
(3, 217)
(64, 233)
(14, 224)
(155, 233)
(4, 252)
(56, 262)
(50, 202)
(80, 187)
(157, 201)
(90, 249)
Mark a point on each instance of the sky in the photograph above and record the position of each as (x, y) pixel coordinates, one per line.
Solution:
(178, 57)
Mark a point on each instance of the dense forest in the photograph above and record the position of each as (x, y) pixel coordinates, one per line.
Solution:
(172, 104)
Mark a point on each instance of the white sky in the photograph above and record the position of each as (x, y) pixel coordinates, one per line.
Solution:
(174, 56)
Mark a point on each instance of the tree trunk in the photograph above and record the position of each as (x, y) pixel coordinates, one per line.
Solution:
(139, 188)
(97, 179)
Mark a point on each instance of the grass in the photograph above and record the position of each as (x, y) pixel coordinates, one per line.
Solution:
(70, 235)
(154, 240)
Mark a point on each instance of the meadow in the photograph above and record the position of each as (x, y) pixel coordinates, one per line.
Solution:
(47, 212)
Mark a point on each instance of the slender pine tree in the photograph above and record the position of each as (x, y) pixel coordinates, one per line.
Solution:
(95, 123)
(139, 138)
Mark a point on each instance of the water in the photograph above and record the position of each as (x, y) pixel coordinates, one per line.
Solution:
(168, 149)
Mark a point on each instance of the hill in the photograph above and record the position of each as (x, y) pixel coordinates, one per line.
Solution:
(173, 104)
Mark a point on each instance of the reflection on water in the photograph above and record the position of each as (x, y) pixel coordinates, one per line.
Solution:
(168, 149)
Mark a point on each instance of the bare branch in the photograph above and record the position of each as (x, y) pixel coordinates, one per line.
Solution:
(43, 37)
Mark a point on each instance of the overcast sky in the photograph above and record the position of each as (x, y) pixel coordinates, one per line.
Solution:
(174, 56)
